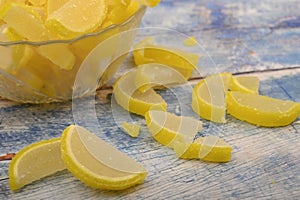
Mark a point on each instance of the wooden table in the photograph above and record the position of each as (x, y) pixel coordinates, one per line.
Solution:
(244, 37)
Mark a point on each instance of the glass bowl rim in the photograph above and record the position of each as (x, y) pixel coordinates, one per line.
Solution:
(141, 9)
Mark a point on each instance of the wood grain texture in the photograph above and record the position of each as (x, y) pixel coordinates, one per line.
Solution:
(241, 37)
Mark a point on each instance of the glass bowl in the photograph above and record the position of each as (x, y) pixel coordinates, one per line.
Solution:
(27, 77)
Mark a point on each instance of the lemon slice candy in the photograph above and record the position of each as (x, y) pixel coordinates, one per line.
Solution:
(131, 129)
(34, 162)
(131, 8)
(261, 110)
(169, 129)
(31, 28)
(77, 17)
(54, 5)
(37, 2)
(130, 98)
(190, 41)
(58, 54)
(208, 97)
(150, 3)
(146, 51)
(208, 148)
(98, 164)
(21, 54)
(248, 84)
(153, 74)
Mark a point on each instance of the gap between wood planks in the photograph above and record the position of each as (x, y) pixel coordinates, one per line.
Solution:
(262, 74)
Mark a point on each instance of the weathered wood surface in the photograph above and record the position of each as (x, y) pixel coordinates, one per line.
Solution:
(241, 37)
